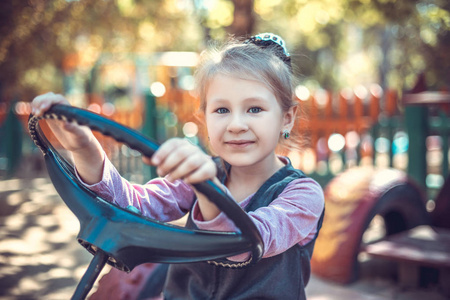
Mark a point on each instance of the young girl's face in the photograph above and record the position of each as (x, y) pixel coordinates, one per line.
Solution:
(244, 120)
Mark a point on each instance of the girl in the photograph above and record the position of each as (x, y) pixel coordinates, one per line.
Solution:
(246, 95)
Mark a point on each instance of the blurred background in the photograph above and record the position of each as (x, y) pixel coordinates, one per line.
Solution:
(372, 82)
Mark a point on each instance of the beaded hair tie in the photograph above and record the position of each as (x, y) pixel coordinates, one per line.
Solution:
(268, 39)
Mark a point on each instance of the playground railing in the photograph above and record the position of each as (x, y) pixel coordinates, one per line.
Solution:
(342, 129)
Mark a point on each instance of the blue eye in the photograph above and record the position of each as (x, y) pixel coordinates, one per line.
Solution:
(255, 110)
(222, 110)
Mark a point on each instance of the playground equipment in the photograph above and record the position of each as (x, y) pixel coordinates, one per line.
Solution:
(125, 239)
(357, 196)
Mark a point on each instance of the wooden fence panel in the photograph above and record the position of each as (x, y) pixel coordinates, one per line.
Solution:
(363, 122)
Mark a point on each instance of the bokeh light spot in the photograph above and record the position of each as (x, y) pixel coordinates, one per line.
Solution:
(190, 129)
(336, 142)
(158, 89)
(302, 93)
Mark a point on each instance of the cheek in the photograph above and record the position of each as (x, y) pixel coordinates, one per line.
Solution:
(209, 123)
(213, 127)
(213, 137)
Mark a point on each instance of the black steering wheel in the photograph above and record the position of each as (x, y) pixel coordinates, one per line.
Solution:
(125, 239)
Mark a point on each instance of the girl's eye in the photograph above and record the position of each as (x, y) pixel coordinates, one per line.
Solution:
(222, 110)
(255, 110)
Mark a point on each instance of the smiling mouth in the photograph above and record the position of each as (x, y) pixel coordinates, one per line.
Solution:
(239, 144)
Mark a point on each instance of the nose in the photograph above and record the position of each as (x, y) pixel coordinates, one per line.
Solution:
(237, 124)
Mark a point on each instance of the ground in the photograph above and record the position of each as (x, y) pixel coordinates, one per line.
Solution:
(41, 259)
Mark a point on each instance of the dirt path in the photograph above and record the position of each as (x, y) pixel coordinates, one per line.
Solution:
(39, 255)
(40, 258)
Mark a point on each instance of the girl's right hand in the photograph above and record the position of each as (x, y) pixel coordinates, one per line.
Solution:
(86, 150)
(71, 136)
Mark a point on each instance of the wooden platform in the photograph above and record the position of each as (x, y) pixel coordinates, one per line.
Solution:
(422, 246)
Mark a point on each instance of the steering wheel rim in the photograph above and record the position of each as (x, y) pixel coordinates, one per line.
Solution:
(137, 239)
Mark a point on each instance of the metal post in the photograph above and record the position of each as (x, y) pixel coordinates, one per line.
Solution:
(13, 141)
(444, 132)
(149, 128)
(417, 126)
(90, 276)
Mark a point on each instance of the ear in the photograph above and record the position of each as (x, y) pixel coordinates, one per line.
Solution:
(289, 118)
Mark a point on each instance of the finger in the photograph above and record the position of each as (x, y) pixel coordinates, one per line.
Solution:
(205, 172)
(175, 158)
(74, 128)
(165, 149)
(42, 103)
(65, 130)
(187, 166)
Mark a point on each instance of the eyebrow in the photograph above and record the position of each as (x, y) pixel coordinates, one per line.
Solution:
(250, 99)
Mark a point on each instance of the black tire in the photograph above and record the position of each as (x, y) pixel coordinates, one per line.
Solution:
(402, 208)
(352, 200)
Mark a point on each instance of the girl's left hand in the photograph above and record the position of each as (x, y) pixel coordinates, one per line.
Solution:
(180, 159)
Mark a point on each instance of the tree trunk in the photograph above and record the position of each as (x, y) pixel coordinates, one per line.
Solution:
(244, 18)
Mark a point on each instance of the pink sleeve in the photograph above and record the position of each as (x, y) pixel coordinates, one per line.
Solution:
(290, 219)
(158, 199)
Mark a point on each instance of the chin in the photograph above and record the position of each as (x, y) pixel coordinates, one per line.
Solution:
(239, 160)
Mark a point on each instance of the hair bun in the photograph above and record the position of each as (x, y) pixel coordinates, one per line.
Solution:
(268, 39)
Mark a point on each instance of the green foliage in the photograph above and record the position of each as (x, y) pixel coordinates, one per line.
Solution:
(334, 43)
(337, 43)
(42, 38)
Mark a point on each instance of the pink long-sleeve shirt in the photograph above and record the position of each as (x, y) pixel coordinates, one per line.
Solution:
(290, 219)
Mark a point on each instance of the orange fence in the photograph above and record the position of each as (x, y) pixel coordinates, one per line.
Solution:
(341, 118)
(344, 112)
(341, 126)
